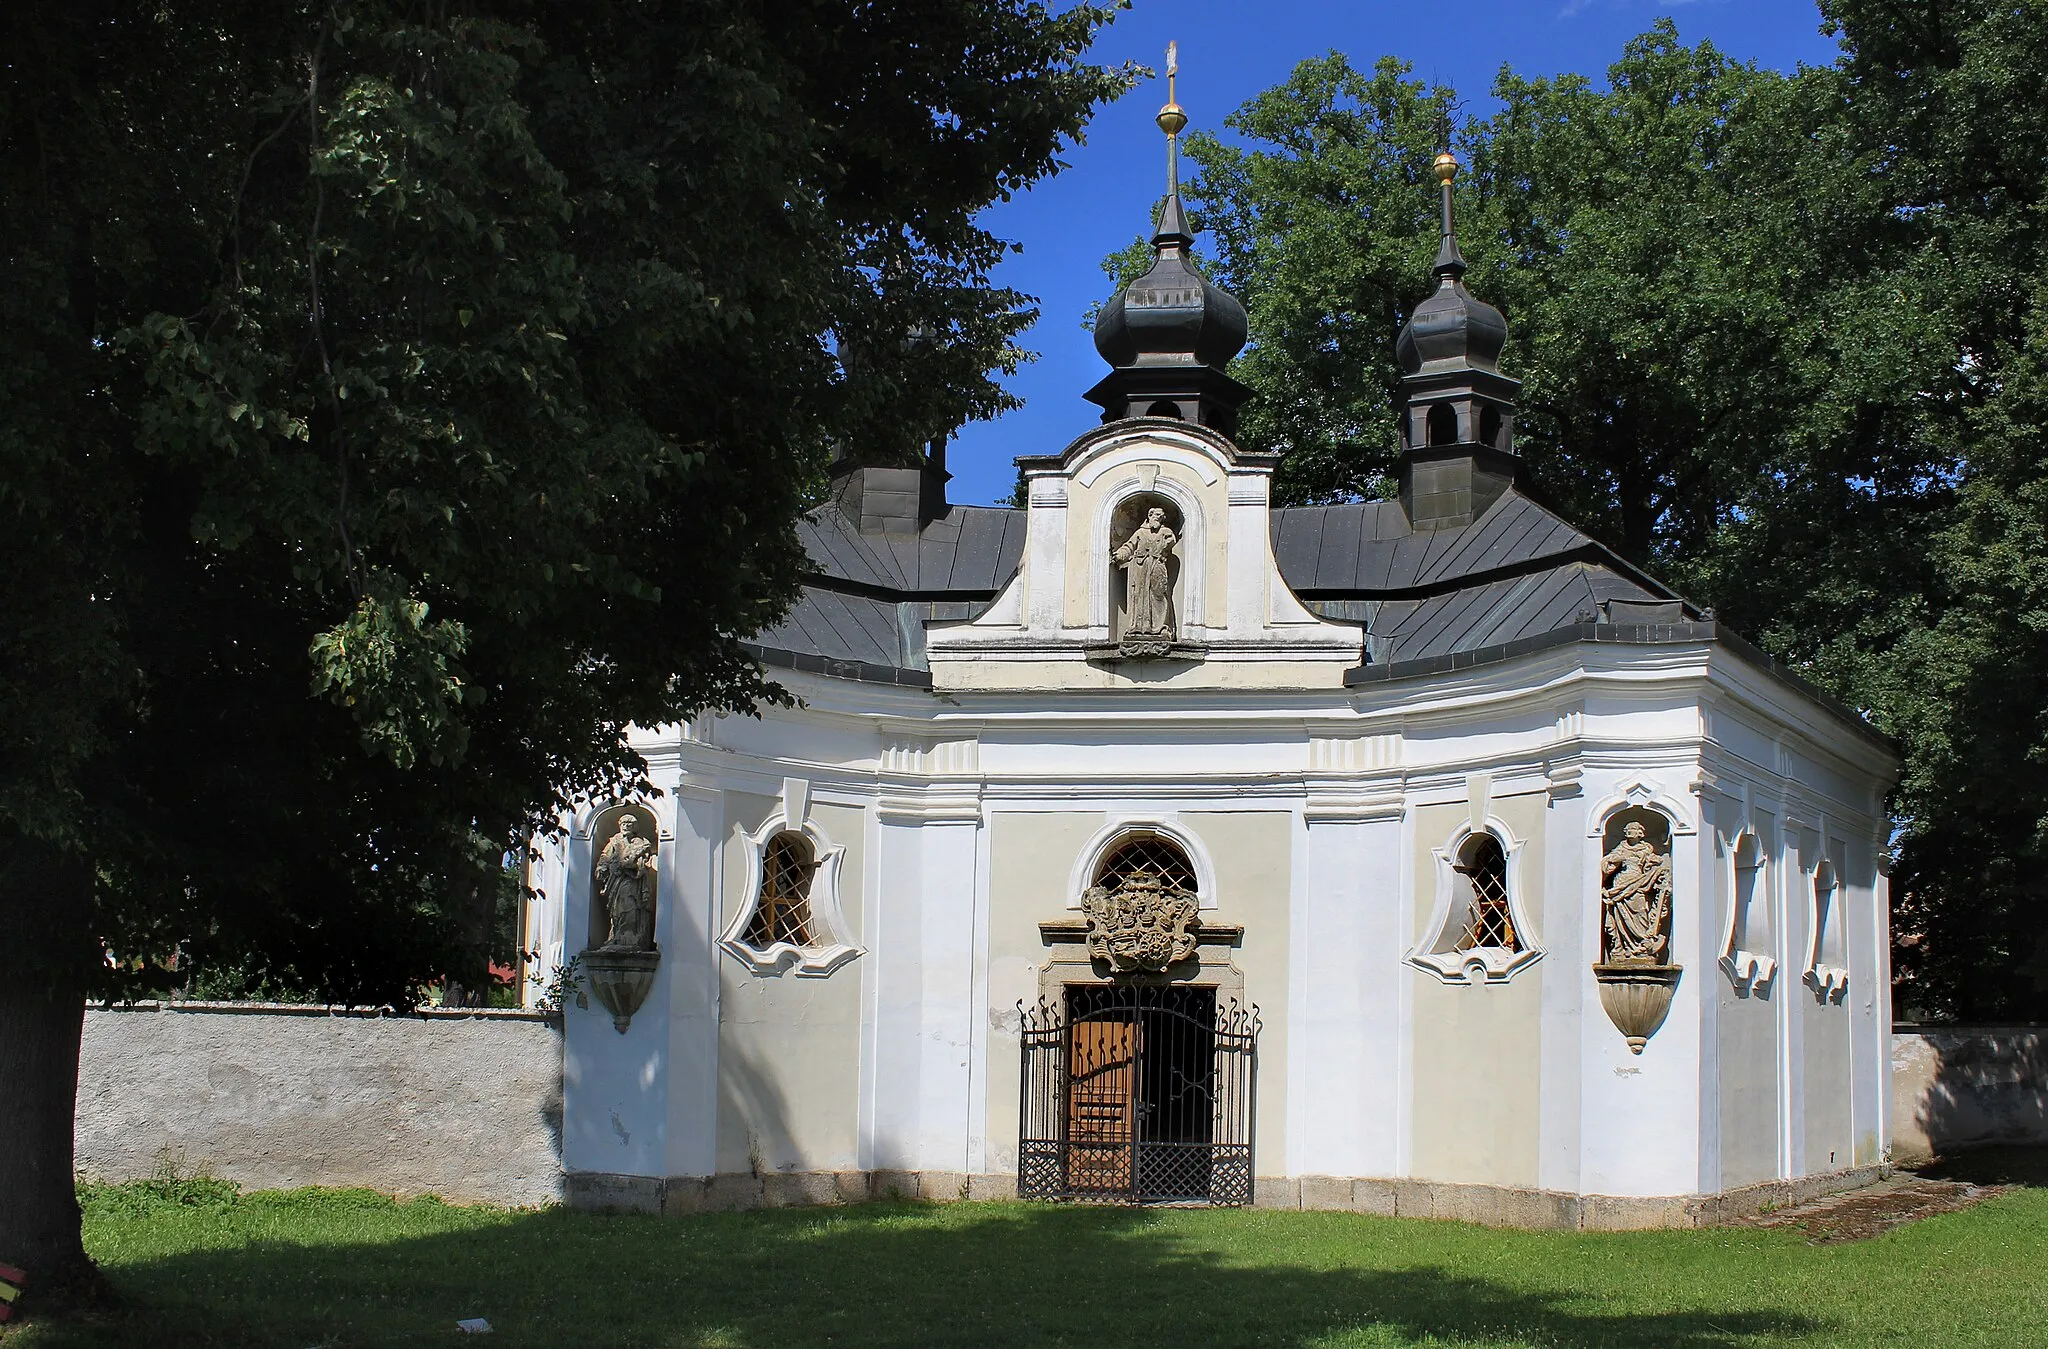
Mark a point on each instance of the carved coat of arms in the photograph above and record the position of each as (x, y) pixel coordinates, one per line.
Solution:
(1142, 924)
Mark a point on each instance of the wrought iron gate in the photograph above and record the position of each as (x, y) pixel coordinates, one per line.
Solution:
(1138, 1093)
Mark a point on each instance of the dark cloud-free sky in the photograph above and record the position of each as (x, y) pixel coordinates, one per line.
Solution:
(1229, 51)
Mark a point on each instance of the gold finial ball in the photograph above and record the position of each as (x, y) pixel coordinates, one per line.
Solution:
(1446, 167)
(1172, 119)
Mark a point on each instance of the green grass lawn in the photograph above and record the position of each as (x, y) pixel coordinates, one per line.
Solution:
(201, 1266)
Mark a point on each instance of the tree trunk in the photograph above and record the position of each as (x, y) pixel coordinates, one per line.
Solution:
(39, 1219)
(45, 904)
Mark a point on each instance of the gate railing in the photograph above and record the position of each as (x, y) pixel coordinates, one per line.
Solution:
(1138, 1094)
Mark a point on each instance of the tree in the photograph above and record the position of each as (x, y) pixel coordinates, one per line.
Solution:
(399, 399)
(1781, 338)
(1945, 98)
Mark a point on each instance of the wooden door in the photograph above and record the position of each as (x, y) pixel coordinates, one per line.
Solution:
(1102, 1104)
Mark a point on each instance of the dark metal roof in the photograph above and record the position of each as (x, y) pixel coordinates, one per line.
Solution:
(970, 550)
(1511, 576)
(1366, 547)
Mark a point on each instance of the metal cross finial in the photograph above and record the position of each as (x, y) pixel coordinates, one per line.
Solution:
(1172, 118)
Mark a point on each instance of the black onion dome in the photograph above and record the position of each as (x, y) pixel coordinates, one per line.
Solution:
(1453, 329)
(1171, 315)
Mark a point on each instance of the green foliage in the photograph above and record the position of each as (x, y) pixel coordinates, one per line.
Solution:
(1781, 340)
(396, 402)
(168, 1188)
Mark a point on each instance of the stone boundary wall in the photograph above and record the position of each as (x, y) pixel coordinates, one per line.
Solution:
(1961, 1087)
(465, 1104)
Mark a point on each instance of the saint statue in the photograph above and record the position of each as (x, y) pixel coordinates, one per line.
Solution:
(1148, 585)
(625, 878)
(1635, 898)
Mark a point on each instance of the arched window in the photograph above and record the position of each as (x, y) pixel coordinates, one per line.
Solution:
(1163, 408)
(1147, 855)
(782, 912)
(1476, 934)
(1489, 920)
(1443, 425)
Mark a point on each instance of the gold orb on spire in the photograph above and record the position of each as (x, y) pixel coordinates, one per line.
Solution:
(1171, 118)
(1446, 167)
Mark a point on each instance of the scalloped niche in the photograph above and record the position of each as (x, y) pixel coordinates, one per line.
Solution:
(1827, 972)
(1746, 939)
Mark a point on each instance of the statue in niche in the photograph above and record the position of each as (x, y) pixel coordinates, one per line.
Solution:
(1635, 898)
(1142, 924)
(1147, 558)
(625, 878)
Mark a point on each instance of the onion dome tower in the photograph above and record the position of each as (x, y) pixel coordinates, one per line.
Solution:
(1458, 415)
(1170, 333)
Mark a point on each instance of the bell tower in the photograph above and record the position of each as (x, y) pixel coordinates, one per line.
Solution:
(1170, 333)
(1458, 415)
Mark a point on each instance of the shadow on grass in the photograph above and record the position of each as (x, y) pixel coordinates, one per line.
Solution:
(902, 1275)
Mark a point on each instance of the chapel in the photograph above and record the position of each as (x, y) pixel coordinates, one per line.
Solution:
(1153, 843)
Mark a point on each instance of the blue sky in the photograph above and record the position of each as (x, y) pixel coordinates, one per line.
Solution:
(1229, 51)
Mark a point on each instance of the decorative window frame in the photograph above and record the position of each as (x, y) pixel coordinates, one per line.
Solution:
(831, 935)
(1829, 982)
(1111, 836)
(1193, 548)
(1476, 964)
(1748, 970)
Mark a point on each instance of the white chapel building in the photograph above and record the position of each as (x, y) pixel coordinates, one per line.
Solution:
(1153, 843)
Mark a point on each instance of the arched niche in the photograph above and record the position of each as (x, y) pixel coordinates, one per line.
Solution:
(1637, 893)
(1111, 522)
(604, 827)
(1125, 516)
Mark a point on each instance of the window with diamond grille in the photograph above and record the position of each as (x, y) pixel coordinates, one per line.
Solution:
(1484, 865)
(1147, 852)
(783, 911)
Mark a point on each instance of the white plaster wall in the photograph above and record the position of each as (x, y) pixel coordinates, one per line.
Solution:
(1349, 998)
(1252, 852)
(1644, 1118)
(1030, 855)
(1823, 1070)
(1318, 809)
(616, 1085)
(467, 1107)
(1746, 1080)
(1477, 1060)
(788, 1046)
